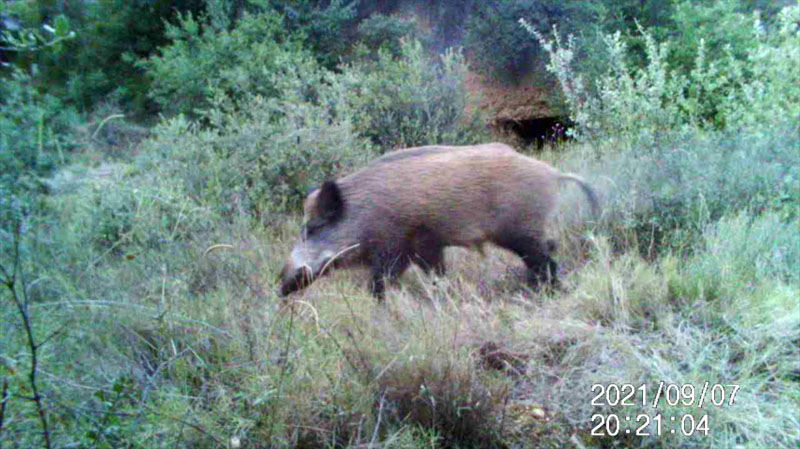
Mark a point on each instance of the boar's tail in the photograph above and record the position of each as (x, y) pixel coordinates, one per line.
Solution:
(587, 189)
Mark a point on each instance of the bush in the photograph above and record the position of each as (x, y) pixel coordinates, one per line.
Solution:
(110, 35)
(499, 48)
(719, 26)
(664, 197)
(742, 252)
(411, 100)
(672, 171)
(35, 134)
(328, 25)
(756, 85)
(379, 31)
(766, 82)
(202, 61)
(266, 156)
(303, 124)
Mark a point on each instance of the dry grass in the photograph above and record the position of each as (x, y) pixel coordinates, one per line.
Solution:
(199, 351)
(617, 320)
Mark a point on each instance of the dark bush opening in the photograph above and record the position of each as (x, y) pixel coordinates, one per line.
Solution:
(536, 131)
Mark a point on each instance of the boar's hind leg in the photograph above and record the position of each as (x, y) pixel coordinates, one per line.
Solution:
(429, 253)
(536, 255)
(385, 264)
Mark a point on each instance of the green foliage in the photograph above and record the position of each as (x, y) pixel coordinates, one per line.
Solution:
(35, 134)
(498, 47)
(221, 13)
(380, 31)
(151, 285)
(202, 61)
(110, 36)
(672, 171)
(719, 24)
(328, 25)
(26, 40)
(706, 42)
(628, 103)
(411, 100)
(700, 180)
(278, 124)
(741, 250)
(755, 84)
(270, 153)
(766, 82)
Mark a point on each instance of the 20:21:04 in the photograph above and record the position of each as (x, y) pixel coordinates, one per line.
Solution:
(686, 425)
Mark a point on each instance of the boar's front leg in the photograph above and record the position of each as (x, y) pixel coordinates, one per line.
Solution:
(386, 263)
(537, 257)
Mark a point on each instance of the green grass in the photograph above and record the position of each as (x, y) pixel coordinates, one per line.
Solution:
(160, 343)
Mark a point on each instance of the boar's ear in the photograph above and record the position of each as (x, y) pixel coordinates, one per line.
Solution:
(330, 204)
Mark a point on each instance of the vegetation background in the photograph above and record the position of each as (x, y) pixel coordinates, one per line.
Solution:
(154, 154)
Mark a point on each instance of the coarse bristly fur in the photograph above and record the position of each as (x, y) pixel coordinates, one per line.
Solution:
(408, 205)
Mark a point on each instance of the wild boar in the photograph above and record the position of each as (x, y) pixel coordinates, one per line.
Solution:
(409, 205)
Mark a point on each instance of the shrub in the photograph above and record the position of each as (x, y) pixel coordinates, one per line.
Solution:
(628, 104)
(501, 49)
(411, 100)
(665, 196)
(673, 171)
(766, 82)
(328, 25)
(380, 31)
(719, 26)
(756, 84)
(202, 60)
(109, 36)
(35, 133)
(266, 156)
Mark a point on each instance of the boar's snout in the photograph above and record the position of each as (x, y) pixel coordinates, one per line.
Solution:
(293, 279)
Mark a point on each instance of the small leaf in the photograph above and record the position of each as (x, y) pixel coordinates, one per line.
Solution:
(62, 26)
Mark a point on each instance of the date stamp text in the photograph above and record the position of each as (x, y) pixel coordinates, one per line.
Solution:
(682, 408)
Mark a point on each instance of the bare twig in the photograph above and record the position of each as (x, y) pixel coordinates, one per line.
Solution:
(194, 426)
(22, 307)
(284, 361)
(3, 405)
(503, 417)
(378, 424)
(151, 382)
(55, 333)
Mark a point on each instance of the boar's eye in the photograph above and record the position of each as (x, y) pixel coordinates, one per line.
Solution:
(312, 228)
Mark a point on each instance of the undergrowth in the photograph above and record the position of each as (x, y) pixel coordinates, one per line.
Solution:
(147, 283)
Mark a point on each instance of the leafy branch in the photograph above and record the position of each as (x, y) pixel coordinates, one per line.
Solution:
(26, 40)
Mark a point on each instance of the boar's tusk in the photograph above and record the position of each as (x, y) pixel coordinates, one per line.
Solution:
(332, 259)
(216, 247)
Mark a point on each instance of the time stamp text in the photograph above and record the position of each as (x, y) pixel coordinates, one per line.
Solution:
(687, 418)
